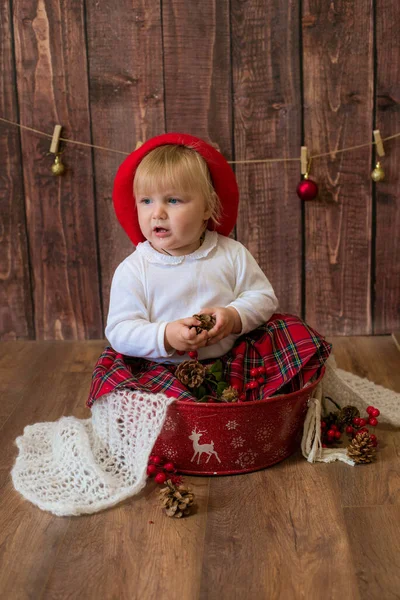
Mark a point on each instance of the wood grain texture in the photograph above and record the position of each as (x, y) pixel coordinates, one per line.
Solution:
(52, 88)
(387, 241)
(16, 310)
(338, 100)
(294, 530)
(126, 104)
(197, 70)
(267, 124)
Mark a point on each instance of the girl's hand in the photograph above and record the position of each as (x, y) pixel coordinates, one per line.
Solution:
(182, 335)
(227, 321)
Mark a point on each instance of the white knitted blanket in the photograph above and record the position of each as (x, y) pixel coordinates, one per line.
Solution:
(74, 466)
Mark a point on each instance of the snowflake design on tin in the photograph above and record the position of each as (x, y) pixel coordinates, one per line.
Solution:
(237, 442)
(286, 412)
(264, 433)
(169, 452)
(169, 424)
(267, 447)
(246, 459)
(231, 424)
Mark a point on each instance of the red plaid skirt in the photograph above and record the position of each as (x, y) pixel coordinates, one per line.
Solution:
(291, 352)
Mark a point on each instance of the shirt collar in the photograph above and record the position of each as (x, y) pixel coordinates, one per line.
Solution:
(153, 256)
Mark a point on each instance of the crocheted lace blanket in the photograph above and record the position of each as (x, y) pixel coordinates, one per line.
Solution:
(74, 466)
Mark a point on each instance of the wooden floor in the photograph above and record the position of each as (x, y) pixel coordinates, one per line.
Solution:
(295, 530)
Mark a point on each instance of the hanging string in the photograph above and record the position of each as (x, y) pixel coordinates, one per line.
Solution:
(232, 162)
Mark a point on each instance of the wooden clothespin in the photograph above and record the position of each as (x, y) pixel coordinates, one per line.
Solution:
(304, 160)
(378, 174)
(55, 142)
(57, 168)
(379, 144)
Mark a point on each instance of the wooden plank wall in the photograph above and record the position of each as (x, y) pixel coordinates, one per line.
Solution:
(257, 77)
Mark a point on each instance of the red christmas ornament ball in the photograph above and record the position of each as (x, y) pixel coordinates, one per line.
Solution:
(307, 189)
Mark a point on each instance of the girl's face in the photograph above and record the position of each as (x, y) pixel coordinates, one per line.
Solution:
(172, 220)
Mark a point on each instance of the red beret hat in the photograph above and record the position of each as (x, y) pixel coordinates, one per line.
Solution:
(222, 176)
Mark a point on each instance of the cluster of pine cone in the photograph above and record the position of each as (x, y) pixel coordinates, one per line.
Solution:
(362, 446)
(177, 500)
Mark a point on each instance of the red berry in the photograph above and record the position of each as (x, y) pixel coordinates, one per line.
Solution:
(373, 437)
(249, 385)
(331, 433)
(363, 430)
(323, 424)
(156, 460)
(253, 384)
(169, 466)
(356, 420)
(334, 427)
(362, 422)
(242, 397)
(237, 387)
(180, 352)
(160, 478)
(369, 409)
(151, 469)
(338, 435)
(260, 380)
(261, 370)
(349, 429)
(193, 354)
(376, 412)
(254, 372)
(324, 446)
(372, 421)
(374, 443)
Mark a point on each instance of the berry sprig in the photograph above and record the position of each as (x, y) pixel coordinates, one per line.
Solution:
(359, 424)
(162, 469)
(331, 433)
(257, 379)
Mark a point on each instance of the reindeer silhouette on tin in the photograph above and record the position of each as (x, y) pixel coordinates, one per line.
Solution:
(200, 448)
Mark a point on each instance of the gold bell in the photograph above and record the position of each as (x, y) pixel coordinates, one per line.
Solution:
(57, 168)
(378, 174)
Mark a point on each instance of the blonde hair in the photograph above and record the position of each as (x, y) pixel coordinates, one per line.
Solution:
(181, 168)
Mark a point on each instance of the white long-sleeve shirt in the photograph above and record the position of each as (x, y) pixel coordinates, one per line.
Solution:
(150, 289)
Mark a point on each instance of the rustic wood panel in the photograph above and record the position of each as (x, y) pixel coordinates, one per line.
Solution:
(338, 100)
(126, 104)
(267, 124)
(16, 312)
(387, 242)
(52, 88)
(197, 70)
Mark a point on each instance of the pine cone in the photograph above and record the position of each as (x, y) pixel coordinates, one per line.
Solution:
(361, 448)
(207, 323)
(190, 373)
(347, 414)
(230, 394)
(176, 499)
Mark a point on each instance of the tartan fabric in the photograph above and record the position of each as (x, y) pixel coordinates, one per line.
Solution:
(291, 352)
